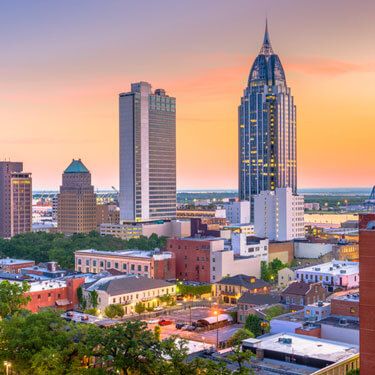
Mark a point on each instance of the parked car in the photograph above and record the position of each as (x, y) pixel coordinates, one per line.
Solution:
(179, 325)
(165, 322)
(159, 308)
(190, 328)
(153, 321)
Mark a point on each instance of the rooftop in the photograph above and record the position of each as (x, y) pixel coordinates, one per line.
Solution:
(117, 285)
(76, 166)
(127, 253)
(334, 268)
(259, 299)
(248, 282)
(302, 345)
(11, 261)
(342, 322)
(299, 288)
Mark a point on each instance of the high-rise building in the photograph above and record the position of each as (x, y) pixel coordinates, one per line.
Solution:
(237, 212)
(147, 154)
(76, 202)
(267, 128)
(367, 292)
(15, 199)
(279, 215)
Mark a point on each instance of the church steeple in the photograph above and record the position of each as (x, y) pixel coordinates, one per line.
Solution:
(266, 46)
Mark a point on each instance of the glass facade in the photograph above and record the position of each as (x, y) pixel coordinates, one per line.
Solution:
(267, 128)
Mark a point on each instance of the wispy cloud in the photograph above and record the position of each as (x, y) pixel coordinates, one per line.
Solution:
(326, 66)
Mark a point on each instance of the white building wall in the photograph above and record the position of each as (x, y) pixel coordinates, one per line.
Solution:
(224, 263)
(279, 326)
(256, 250)
(279, 215)
(238, 212)
(311, 250)
(341, 334)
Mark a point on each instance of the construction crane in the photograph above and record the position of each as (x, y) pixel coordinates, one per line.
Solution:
(370, 202)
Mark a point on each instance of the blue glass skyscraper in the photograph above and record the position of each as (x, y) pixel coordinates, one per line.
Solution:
(267, 128)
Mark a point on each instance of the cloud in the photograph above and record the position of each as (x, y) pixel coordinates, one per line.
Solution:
(330, 67)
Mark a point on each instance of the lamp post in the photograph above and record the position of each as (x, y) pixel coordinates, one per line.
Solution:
(217, 329)
(7, 367)
(189, 306)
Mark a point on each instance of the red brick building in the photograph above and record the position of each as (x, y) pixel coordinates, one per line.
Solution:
(367, 292)
(61, 294)
(347, 305)
(11, 265)
(152, 264)
(193, 256)
(299, 294)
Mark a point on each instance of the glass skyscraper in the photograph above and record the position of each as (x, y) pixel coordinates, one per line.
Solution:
(267, 128)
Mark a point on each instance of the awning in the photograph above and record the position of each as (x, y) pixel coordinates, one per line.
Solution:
(62, 302)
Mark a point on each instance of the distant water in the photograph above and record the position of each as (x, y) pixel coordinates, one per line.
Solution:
(336, 191)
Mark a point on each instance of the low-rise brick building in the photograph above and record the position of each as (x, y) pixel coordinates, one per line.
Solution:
(14, 265)
(152, 264)
(61, 294)
(299, 294)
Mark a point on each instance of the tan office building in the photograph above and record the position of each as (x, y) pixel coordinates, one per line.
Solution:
(15, 199)
(76, 208)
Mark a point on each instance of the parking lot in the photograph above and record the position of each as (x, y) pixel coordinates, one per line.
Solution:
(183, 316)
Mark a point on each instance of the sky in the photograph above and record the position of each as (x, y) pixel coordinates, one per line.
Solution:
(63, 64)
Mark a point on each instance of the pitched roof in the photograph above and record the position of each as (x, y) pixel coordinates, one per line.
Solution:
(298, 287)
(259, 299)
(76, 166)
(116, 285)
(248, 282)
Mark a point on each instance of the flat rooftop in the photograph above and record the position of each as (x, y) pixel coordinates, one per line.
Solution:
(36, 286)
(352, 297)
(126, 253)
(207, 238)
(12, 261)
(342, 322)
(302, 345)
(334, 268)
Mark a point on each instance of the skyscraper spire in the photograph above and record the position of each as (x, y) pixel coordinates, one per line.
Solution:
(266, 46)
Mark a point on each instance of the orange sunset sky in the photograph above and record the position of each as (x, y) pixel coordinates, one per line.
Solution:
(62, 65)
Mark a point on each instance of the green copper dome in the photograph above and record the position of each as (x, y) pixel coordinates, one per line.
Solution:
(76, 166)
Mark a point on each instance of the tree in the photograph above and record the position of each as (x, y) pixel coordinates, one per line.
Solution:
(81, 299)
(114, 311)
(253, 324)
(94, 298)
(239, 336)
(139, 308)
(157, 332)
(12, 297)
(274, 311)
(167, 299)
(92, 311)
(42, 343)
(193, 290)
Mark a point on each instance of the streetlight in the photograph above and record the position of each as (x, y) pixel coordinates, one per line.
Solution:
(189, 305)
(7, 367)
(216, 313)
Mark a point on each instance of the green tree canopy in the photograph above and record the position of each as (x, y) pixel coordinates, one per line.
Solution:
(114, 311)
(253, 324)
(12, 297)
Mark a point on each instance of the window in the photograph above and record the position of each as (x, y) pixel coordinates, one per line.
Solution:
(146, 268)
(139, 268)
(124, 266)
(101, 263)
(132, 267)
(94, 262)
(116, 265)
(213, 260)
(108, 264)
(79, 261)
(87, 262)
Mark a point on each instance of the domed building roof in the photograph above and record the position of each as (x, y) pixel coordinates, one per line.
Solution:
(267, 68)
(76, 166)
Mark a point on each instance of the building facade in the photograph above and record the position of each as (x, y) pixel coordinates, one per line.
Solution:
(332, 274)
(367, 292)
(15, 199)
(238, 212)
(150, 264)
(147, 154)
(129, 290)
(279, 215)
(76, 209)
(267, 128)
(250, 246)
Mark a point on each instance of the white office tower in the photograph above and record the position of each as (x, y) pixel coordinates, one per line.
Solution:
(147, 154)
(238, 212)
(278, 215)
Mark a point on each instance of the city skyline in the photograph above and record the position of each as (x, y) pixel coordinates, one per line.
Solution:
(68, 80)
